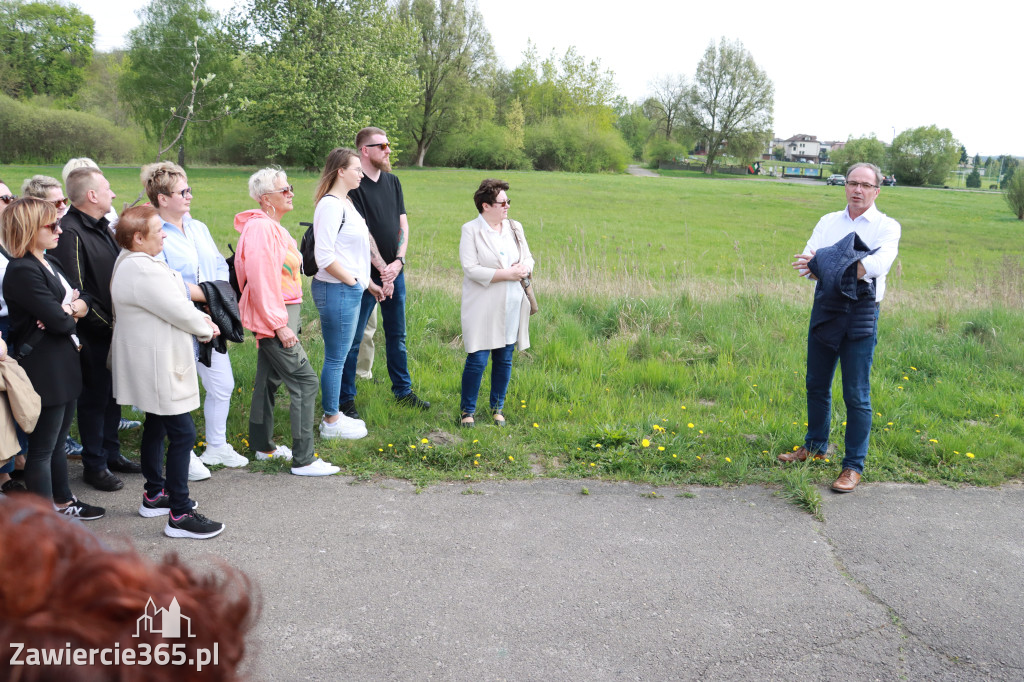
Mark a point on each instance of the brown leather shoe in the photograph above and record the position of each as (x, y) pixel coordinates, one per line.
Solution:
(799, 455)
(847, 481)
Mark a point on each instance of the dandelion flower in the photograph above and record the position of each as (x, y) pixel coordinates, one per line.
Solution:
(956, 452)
(511, 458)
(889, 424)
(764, 452)
(424, 440)
(536, 425)
(914, 368)
(932, 440)
(476, 463)
(391, 445)
(690, 425)
(728, 460)
(795, 448)
(592, 464)
(683, 406)
(674, 457)
(412, 447)
(906, 378)
(971, 455)
(827, 460)
(700, 432)
(755, 385)
(900, 388)
(699, 457)
(844, 423)
(598, 445)
(661, 448)
(475, 440)
(380, 449)
(424, 458)
(646, 443)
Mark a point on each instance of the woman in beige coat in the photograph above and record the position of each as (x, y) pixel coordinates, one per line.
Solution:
(495, 312)
(153, 365)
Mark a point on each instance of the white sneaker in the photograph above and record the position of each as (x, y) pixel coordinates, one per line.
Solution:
(197, 471)
(345, 427)
(317, 468)
(280, 452)
(223, 454)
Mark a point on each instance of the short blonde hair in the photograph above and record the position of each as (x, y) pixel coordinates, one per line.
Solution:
(21, 222)
(158, 178)
(133, 221)
(39, 185)
(75, 164)
(262, 181)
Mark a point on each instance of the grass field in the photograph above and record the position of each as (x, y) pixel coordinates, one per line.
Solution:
(670, 346)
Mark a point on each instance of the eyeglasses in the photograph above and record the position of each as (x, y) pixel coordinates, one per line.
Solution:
(61, 203)
(357, 169)
(288, 188)
(865, 185)
(8, 198)
(384, 146)
(503, 204)
(183, 192)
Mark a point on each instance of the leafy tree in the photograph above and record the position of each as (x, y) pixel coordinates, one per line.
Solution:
(730, 95)
(667, 104)
(748, 146)
(633, 124)
(974, 178)
(1015, 195)
(45, 48)
(859, 150)
(924, 155)
(454, 47)
(319, 70)
(1007, 167)
(177, 71)
(977, 160)
(779, 153)
(964, 159)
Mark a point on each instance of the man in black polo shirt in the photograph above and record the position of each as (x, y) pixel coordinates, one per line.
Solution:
(379, 200)
(87, 253)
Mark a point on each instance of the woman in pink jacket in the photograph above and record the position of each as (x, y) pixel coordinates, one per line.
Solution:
(267, 263)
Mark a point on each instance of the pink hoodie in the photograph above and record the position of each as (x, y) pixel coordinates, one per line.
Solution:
(267, 263)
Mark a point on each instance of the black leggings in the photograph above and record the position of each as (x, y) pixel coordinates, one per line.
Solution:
(46, 467)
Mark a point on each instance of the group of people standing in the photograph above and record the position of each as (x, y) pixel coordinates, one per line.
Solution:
(106, 314)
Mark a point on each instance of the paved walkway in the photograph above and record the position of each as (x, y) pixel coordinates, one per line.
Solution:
(640, 171)
(532, 580)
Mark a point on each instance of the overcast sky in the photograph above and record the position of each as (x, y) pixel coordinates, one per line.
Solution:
(840, 68)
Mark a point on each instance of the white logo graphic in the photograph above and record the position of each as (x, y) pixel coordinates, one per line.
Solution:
(166, 622)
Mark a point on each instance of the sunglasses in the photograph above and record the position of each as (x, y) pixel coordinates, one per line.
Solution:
(384, 146)
(8, 198)
(182, 192)
(289, 188)
(61, 203)
(52, 226)
(503, 204)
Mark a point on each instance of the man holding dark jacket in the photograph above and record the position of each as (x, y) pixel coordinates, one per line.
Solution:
(87, 252)
(846, 334)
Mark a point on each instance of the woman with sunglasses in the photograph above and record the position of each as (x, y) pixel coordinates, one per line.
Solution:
(495, 312)
(267, 265)
(189, 249)
(6, 483)
(43, 310)
(48, 189)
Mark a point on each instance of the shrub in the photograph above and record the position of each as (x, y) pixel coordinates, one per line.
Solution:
(660, 149)
(576, 145)
(488, 147)
(33, 134)
(1015, 195)
(974, 179)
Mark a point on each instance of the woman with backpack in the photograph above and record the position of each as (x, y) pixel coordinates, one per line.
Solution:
(342, 251)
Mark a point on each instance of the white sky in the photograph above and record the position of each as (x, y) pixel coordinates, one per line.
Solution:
(840, 68)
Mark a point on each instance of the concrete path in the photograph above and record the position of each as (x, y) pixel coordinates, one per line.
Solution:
(640, 171)
(533, 580)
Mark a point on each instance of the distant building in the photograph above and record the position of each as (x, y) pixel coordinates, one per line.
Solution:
(802, 148)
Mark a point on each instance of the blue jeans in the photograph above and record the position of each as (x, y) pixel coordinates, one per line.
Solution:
(393, 313)
(473, 374)
(339, 305)
(855, 358)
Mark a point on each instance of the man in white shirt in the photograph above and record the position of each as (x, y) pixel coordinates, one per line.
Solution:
(878, 232)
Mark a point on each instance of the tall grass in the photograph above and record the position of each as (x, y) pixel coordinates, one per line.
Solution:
(671, 344)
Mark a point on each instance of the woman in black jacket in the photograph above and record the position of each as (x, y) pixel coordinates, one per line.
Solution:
(43, 308)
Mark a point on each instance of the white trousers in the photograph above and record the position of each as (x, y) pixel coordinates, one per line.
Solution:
(219, 383)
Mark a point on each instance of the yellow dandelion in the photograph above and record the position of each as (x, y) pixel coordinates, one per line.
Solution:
(914, 368)
(690, 425)
(380, 449)
(917, 430)
(900, 388)
(511, 458)
(674, 457)
(661, 448)
(316, 454)
(889, 424)
(906, 378)
(795, 448)
(598, 445)
(932, 440)
(646, 443)
(391, 445)
(424, 458)
(956, 452)
(728, 460)
(536, 425)
(971, 455)
(827, 460)
(245, 442)
(592, 464)
(475, 440)
(700, 432)
(476, 463)
(764, 452)
(683, 406)
(794, 423)
(412, 447)
(844, 423)
(424, 440)
(699, 457)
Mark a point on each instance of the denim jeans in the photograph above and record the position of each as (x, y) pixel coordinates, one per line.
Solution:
(393, 313)
(473, 373)
(46, 465)
(855, 359)
(339, 306)
(180, 431)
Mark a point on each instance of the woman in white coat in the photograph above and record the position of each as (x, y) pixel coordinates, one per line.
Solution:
(153, 366)
(495, 312)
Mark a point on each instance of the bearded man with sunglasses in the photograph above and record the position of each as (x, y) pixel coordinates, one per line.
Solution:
(846, 334)
(380, 201)
(87, 252)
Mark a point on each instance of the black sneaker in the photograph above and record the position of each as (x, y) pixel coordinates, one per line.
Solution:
(412, 400)
(80, 510)
(349, 409)
(191, 525)
(159, 505)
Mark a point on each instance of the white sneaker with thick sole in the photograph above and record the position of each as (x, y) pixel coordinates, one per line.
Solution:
(197, 471)
(345, 427)
(223, 454)
(317, 468)
(280, 452)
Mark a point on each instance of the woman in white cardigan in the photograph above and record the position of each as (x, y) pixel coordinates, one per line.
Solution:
(495, 312)
(153, 365)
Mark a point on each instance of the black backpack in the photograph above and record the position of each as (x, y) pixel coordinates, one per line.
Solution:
(307, 247)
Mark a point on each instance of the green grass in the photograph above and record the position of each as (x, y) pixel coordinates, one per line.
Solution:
(669, 302)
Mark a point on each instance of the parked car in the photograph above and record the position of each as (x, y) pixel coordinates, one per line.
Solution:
(836, 179)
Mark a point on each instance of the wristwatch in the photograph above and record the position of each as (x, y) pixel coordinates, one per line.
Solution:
(401, 258)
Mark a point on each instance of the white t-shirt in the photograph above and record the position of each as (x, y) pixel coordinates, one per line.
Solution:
(349, 245)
